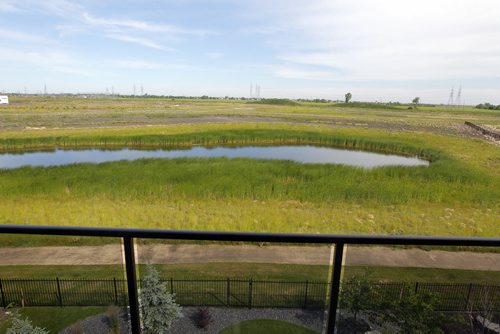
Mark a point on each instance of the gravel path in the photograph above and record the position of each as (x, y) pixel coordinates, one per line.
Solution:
(188, 253)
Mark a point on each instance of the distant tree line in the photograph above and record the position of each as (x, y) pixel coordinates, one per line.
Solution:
(488, 106)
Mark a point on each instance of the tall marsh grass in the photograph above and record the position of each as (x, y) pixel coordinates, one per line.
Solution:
(456, 195)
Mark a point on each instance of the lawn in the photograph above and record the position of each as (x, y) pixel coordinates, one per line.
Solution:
(266, 326)
(54, 319)
(256, 271)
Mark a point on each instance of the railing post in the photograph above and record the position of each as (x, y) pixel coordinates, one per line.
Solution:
(335, 287)
(4, 303)
(250, 292)
(305, 297)
(228, 292)
(171, 285)
(59, 295)
(133, 297)
(116, 290)
(416, 287)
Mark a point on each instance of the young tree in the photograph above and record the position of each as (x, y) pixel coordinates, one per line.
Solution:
(413, 313)
(357, 295)
(415, 102)
(348, 97)
(23, 326)
(157, 306)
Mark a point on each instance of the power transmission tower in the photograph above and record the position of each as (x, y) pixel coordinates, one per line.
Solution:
(45, 89)
(142, 90)
(251, 90)
(451, 98)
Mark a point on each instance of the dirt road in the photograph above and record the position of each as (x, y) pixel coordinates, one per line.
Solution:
(183, 253)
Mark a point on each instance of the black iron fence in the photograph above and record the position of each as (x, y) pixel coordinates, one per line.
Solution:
(234, 293)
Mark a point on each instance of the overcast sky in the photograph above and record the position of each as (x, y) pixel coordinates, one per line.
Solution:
(379, 50)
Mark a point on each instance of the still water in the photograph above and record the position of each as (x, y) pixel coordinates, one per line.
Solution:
(303, 154)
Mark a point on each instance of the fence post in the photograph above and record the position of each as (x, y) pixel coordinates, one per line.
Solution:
(335, 287)
(171, 285)
(416, 287)
(133, 298)
(116, 291)
(467, 301)
(4, 304)
(228, 292)
(305, 297)
(250, 292)
(59, 292)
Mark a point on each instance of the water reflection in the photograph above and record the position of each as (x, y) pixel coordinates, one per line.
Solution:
(303, 154)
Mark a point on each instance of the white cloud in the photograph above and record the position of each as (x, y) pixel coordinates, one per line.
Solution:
(19, 36)
(138, 40)
(214, 55)
(44, 60)
(61, 8)
(136, 25)
(292, 72)
(135, 64)
(387, 39)
(9, 7)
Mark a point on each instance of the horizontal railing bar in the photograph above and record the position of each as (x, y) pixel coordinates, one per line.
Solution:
(249, 236)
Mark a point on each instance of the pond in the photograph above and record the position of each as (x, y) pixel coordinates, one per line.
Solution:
(303, 154)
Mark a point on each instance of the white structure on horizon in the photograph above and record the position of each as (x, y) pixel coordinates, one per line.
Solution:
(4, 99)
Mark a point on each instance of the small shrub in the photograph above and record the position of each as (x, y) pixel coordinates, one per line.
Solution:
(113, 314)
(23, 326)
(203, 317)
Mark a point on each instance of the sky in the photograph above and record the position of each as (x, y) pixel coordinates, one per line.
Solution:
(379, 50)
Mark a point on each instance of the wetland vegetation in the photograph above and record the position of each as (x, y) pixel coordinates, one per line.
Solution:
(456, 195)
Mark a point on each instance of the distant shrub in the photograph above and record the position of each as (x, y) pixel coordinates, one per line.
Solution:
(279, 102)
(370, 105)
(488, 106)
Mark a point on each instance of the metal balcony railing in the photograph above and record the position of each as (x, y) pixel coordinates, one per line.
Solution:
(339, 241)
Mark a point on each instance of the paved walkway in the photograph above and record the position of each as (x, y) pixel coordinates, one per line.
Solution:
(184, 253)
